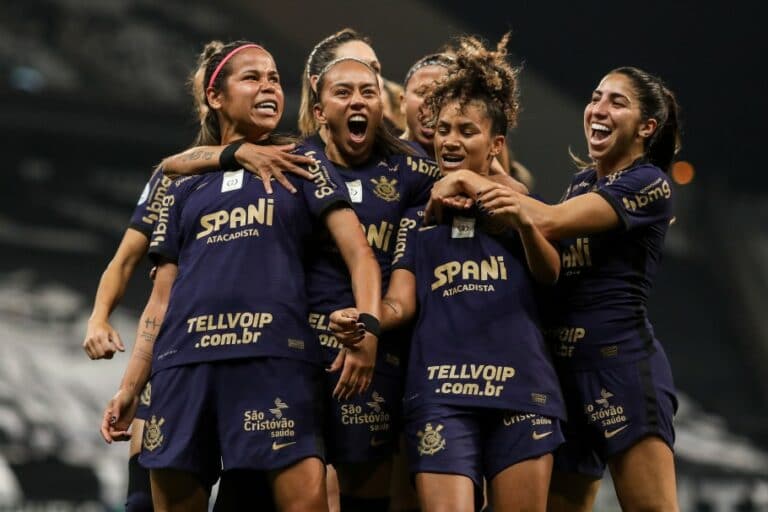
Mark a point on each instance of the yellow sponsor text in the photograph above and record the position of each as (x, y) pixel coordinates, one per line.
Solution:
(260, 213)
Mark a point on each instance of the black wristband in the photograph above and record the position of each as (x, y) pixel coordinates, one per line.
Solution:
(227, 160)
(371, 323)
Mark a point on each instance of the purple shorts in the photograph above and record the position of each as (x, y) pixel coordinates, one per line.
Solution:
(610, 409)
(365, 427)
(257, 413)
(476, 442)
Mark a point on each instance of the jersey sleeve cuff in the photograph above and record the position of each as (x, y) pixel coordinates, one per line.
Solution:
(617, 207)
(142, 228)
(333, 204)
(156, 255)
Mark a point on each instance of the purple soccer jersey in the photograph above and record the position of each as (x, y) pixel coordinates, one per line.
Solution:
(477, 341)
(381, 192)
(150, 203)
(596, 315)
(240, 285)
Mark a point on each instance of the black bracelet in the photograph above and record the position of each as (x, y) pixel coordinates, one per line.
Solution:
(227, 160)
(371, 323)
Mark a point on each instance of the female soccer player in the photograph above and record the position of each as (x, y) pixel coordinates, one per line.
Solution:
(101, 339)
(611, 225)
(383, 182)
(231, 280)
(271, 161)
(482, 399)
(419, 79)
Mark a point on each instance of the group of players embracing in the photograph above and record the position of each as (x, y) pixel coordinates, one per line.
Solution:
(395, 306)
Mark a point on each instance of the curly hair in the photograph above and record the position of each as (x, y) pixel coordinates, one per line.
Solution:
(480, 74)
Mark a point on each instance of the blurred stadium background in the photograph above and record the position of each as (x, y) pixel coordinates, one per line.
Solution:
(92, 96)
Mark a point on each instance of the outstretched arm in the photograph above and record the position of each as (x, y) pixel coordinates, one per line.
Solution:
(578, 216)
(264, 161)
(101, 339)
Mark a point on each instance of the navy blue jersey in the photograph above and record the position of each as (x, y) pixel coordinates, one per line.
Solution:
(240, 286)
(597, 315)
(417, 147)
(477, 340)
(381, 191)
(150, 203)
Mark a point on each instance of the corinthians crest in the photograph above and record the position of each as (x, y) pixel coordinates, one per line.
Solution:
(146, 395)
(386, 189)
(153, 436)
(430, 441)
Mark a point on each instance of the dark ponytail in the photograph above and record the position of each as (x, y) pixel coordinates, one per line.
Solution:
(665, 143)
(659, 103)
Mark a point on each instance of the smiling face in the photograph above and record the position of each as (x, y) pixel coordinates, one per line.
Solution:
(351, 109)
(464, 138)
(413, 105)
(613, 125)
(250, 101)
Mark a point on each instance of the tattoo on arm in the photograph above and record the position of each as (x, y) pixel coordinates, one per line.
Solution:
(148, 336)
(197, 155)
(151, 323)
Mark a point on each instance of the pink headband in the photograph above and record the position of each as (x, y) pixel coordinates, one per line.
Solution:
(226, 58)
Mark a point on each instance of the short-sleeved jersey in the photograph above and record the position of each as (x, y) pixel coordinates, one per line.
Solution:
(240, 285)
(380, 191)
(597, 314)
(477, 340)
(150, 203)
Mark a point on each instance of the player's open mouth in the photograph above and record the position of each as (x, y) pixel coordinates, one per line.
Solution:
(600, 132)
(358, 126)
(267, 107)
(451, 160)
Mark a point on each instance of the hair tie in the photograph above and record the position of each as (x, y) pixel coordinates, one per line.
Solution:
(227, 57)
(342, 59)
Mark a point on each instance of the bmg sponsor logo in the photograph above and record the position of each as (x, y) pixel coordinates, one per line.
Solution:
(422, 166)
(161, 228)
(655, 191)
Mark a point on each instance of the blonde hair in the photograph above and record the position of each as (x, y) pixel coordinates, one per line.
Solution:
(321, 55)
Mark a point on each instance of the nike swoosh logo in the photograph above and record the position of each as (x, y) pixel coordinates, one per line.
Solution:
(279, 446)
(610, 433)
(536, 436)
(377, 442)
